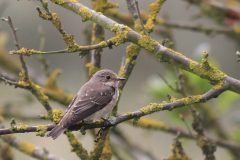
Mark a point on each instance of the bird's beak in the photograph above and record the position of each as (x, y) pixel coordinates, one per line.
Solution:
(121, 79)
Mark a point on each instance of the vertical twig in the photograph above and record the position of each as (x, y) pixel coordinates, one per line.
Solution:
(140, 17)
(42, 58)
(14, 30)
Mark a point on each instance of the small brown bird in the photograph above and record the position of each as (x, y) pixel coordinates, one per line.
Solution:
(94, 100)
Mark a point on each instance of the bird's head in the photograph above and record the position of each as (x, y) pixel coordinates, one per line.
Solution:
(107, 77)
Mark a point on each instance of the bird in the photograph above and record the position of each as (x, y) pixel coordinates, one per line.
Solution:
(95, 99)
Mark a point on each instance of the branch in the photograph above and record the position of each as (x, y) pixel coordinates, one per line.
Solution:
(14, 30)
(151, 108)
(124, 34)
(77, 146)
(28, 148)
(35, 89)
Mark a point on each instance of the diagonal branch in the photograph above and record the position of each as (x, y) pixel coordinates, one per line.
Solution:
(124, 34)
(151, 108)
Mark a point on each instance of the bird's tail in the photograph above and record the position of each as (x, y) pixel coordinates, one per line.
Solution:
(55, 132)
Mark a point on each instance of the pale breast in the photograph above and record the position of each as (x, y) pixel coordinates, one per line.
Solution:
(106, 110)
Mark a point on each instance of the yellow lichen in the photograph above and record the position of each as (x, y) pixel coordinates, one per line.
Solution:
(122, 72)
(151, 108)
(73, 1)
(147, 43)
(218, 85)
(1, 118)
(85, 14)
(70, 42)
(132, 52)
(25, 51)
(54, 92)
(102, 5)
(237, 29)
(51, 81)
(42, 129)
(57, 115)
(206, 70)
(107, 150)
(129, 114)
(77, 146)
(26, 148)
(176, 52)
(22, 126)
(103, 44)
(56, 21)
(58, 1)
(191, 99)
(121, 34)
(92, 69)
(126, 17)
(154, 9)
(153, 124)
(138, 26)
(44, 15)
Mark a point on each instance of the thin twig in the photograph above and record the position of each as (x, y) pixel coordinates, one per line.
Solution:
(140, 17)
(14, 30)
(41, 58)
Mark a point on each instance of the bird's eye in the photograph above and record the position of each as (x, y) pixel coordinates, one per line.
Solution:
(108, 77)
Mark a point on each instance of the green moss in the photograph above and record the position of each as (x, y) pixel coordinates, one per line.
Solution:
(85, 14)
(42, 129)
(151, 108)
(121, 34)
(206, 70)
(22, 126)
(25, 51)
(77, 146)
(57, 116)
(92, 69)
(147, 43)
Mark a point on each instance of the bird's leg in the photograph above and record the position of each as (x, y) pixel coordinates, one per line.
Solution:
(99, 134)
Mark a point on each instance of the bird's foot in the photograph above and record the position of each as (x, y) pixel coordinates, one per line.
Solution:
(99, 134)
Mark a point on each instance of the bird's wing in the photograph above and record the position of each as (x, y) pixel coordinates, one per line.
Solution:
(85, 106)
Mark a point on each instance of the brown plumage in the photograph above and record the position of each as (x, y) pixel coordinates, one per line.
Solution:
(94, 100)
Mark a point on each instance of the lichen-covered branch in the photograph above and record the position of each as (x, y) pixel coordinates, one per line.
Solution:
(177, 151)
(28, 148)
(77, 146)
(151, 108)
(54, 92)
(35, 89)
(165, 54)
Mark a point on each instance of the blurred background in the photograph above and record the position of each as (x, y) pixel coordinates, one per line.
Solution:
(144, 85)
